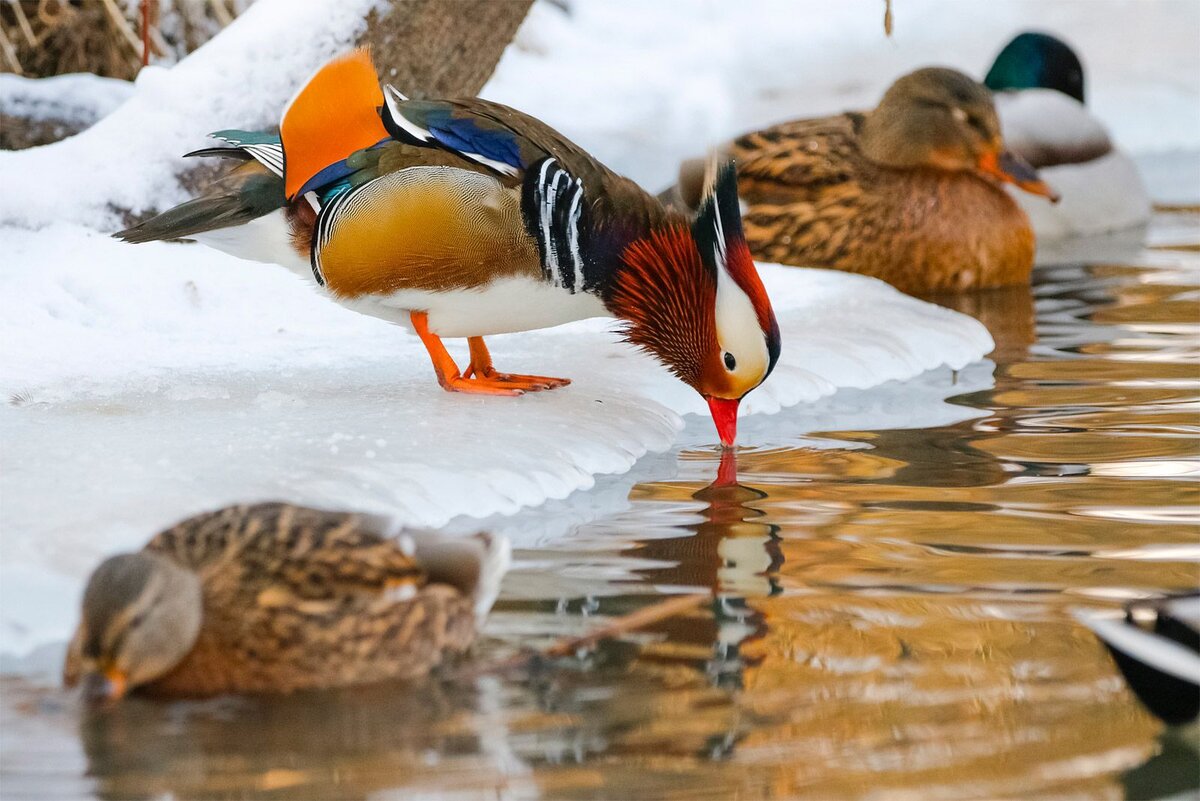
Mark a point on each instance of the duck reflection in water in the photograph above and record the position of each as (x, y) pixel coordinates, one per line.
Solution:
(346, 744)
(733, 554)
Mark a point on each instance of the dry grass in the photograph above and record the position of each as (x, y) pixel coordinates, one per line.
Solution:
(39, 38)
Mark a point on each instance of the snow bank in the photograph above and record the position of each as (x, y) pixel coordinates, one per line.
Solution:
(146, 383)
(641, 85)
(80, 98)
(239, 79)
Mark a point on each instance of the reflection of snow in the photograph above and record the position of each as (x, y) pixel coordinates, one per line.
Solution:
(574, 558)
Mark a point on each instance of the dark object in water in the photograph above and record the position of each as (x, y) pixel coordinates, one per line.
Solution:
(1157, 647)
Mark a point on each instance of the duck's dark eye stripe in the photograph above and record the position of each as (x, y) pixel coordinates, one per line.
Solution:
(730, 362)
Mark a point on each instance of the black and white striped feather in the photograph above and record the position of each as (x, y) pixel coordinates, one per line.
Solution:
(269, 154)
(553, 204)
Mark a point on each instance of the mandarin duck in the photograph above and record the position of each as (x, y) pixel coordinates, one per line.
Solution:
(463, 218)
(274, 598)
(909, 192)
(1038, 82)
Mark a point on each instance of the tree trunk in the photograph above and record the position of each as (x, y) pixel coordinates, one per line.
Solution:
(442, 48)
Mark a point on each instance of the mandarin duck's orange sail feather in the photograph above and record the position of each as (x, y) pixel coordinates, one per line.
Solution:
(332, 116)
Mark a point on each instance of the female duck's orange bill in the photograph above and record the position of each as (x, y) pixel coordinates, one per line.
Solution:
(1008, 167)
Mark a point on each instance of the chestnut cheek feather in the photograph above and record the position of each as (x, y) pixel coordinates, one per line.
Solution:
(667, 298)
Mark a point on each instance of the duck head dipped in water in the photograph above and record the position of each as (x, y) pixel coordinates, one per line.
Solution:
(274, 598)
(463, 218)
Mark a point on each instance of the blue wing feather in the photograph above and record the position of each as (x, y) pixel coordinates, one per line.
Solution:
(463, 134)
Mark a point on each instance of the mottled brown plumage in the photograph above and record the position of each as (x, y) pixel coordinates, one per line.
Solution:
(290, 598)
(909, 193)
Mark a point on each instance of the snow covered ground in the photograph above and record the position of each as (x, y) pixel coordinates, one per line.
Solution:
(143, 384)
(80, 98)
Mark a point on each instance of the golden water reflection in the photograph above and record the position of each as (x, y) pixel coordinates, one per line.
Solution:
(891, 618)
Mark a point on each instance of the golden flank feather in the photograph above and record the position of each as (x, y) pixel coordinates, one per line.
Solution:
(268, 598)
(448, 228)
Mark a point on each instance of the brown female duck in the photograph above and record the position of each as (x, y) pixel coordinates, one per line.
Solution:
(278, 598)
(910, 192)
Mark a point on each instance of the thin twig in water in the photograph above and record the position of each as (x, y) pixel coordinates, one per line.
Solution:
(887, 18)
(145, 17)
(624, 624)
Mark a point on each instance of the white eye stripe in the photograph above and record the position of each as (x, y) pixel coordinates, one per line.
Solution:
(738, 331)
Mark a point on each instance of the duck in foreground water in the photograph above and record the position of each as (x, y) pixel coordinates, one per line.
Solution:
(1039, 85)
(909, 192)
(274, 598)
(463, 218)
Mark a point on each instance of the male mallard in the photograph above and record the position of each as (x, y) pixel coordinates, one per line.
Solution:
(909, 192)
(278, 598)
(1039, 86)
(463, 218)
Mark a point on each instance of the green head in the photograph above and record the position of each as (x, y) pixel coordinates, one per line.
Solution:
(1037, 60)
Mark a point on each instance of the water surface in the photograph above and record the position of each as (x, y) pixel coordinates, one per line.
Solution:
(893, 611)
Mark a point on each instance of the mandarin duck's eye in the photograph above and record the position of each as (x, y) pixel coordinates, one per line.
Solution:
(730, 362)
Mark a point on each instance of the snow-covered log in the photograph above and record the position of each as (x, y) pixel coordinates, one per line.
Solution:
(129, 164)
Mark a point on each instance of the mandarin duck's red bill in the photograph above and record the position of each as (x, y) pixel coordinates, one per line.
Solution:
(464, 218)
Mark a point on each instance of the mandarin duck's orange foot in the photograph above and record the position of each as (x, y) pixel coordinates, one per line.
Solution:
(480, 386)
(481, 367)
(527, 383)
(447, 371)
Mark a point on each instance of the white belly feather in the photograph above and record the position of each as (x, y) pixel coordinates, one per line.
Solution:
(500, 307)
(266, 239)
